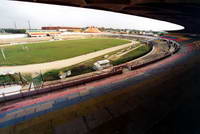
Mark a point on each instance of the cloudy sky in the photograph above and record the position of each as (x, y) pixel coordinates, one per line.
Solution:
(12, 12)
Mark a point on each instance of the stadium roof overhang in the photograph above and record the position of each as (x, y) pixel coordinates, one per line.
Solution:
(182, 12)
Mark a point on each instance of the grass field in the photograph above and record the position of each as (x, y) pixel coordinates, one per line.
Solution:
(86, 66)
(57, 50)
(133, 55)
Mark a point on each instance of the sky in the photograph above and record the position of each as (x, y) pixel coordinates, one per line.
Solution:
(19, 13)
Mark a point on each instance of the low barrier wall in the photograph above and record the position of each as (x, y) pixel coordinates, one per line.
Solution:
(11, 36)
(61, 85)
(133, 67)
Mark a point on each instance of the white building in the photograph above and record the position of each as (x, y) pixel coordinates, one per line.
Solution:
(100, 65)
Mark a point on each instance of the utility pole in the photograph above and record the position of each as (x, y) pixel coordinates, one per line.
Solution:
(29, 25)
(15, 25)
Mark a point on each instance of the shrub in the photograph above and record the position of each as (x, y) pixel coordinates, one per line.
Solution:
(51, 75)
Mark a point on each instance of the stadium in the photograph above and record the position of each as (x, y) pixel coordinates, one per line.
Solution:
(31, 60)
(124, 53)
(71, 80)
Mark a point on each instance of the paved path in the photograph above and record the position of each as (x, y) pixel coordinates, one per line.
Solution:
(33, 68)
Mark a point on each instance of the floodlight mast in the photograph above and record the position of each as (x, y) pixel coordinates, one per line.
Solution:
(29, 25)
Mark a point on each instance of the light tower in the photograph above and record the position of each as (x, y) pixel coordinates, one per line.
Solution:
(29, 25)
(15, 25)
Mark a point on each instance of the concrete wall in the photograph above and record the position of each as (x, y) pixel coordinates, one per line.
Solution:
(11, 36)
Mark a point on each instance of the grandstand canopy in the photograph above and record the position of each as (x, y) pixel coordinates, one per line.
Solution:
(182, 12)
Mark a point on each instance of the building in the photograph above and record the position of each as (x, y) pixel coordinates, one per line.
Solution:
(92, 30)
(63, 29)
(100, 65)
(42, 33)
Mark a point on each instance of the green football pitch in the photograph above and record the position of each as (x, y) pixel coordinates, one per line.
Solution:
(56, 50)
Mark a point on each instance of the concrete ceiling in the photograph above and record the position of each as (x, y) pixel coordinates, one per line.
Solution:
(182, 12)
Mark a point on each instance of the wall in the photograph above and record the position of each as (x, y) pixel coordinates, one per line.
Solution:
(11, 36)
